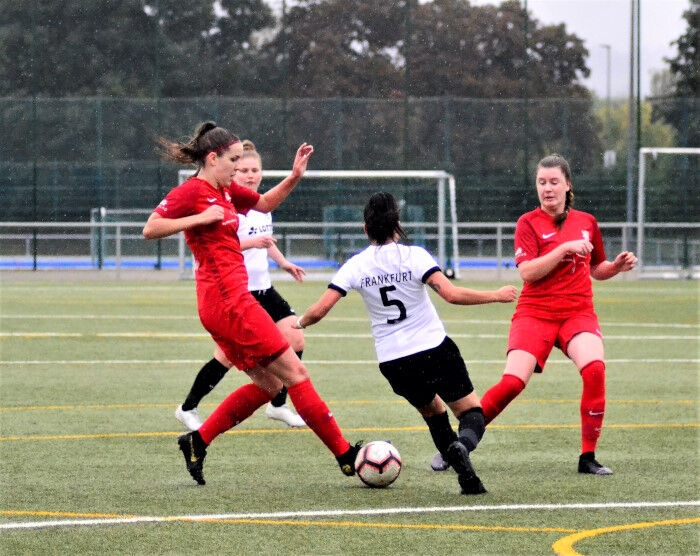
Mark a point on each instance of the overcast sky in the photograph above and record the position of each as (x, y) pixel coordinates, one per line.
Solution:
(600, 22)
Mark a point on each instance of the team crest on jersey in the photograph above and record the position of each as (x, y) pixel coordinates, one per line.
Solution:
(586, 235)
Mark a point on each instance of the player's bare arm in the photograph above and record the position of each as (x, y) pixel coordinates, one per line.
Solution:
(624, 262)
(159, 227)
(319, 309)
(271, 199)
(456, 295)
(536, 269)
(258, 242)
(276, 255)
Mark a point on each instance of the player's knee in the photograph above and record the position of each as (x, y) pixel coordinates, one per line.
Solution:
(593, 373)
(593, 376)
(298, 344)
(298, 372)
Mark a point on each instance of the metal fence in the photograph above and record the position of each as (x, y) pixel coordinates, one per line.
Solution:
(669, 250)
(61, 157)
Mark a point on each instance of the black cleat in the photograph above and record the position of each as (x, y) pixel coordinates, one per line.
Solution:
(588, 464)
(346, 461)
(472, 486)
(458, 458)
(194, 453)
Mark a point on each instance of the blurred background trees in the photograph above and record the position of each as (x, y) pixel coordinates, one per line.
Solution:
(480, 91)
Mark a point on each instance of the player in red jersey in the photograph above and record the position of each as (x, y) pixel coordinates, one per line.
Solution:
(557, 250)
(206, 208)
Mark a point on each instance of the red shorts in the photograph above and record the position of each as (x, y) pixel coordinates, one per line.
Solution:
(244, 331)
(538, 336)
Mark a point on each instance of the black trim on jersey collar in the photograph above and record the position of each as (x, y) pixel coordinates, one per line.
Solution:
(429, 273)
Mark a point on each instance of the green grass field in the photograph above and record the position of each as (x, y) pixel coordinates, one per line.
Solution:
(91, 372)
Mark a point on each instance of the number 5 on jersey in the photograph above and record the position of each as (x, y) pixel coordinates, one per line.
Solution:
(387, 302)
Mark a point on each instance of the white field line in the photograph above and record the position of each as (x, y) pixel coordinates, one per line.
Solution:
(177, 285)
(344, 513)
(193, 318)
(204, 335)
(310, 362)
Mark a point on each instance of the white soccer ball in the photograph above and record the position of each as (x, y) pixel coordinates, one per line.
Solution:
(378, 464)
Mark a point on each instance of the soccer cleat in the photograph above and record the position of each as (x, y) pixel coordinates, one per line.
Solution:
(458, 458)
(285, 414)
(438, 463)
(588, 464)
(189, 418)
(346, 461)
(194, 453)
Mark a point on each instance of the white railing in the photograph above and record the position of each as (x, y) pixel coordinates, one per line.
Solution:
(120, 245)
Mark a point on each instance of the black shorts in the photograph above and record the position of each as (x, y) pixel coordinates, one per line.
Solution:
(420, 376)
(274, 304)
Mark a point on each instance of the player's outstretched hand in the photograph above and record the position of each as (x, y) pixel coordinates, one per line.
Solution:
(625, 261)
(297, 272)
(301, 159)
(263, 242)
(507, 294)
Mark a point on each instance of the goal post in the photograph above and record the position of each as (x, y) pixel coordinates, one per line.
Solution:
(444, 200)
(643, 224)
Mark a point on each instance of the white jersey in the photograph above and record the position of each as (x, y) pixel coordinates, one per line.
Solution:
(390, 278)
(252, 225)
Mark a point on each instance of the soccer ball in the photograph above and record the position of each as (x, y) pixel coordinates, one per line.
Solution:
(378, 464)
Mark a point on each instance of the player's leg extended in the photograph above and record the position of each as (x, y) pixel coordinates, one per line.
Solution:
(315, 412)
(519, 368)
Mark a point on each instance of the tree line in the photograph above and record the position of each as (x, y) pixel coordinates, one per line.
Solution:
(349, 48)
(389, 49)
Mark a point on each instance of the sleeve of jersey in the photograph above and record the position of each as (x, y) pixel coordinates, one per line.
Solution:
(178, 202)
(525, 241)
(598, 253)
(343, 279)
(243, 198)
(424, 263)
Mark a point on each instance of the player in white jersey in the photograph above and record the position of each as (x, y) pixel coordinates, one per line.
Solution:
(421, 363)
(258, 244)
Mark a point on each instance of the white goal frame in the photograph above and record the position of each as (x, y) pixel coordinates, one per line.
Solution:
(445, 191)
(641, 199)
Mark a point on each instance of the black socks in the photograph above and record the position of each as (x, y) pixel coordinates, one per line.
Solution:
(280, 399)
(441, 431)
(471, 427)
(208, 377)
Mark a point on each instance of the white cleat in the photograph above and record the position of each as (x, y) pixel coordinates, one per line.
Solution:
(438, 463)
(189, 418)
(285, 414)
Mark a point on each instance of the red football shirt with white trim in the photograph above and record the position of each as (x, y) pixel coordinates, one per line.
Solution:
(567, 289)
(219, 267)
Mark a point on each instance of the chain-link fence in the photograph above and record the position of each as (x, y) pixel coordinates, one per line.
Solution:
(62, 157)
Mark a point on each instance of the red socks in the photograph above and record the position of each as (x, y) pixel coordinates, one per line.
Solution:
(238, 406)
(592, 404)
(242, 403)
(500, 395)
(317, 416)
(592, 407)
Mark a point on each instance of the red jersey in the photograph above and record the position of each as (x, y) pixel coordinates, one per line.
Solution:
(567, 289)
(219, 268)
